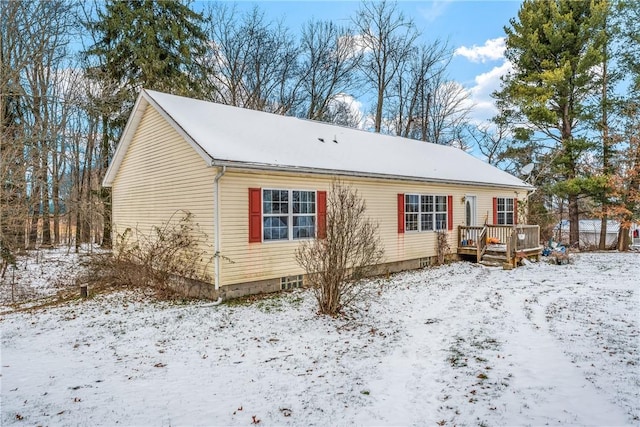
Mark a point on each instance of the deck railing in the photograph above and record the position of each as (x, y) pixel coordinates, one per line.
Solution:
(527, 237)
(482, 244)
(516, 238)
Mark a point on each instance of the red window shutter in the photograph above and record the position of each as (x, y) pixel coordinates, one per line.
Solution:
(449, 212)
(515, 211)
(322, 214)
(495, 211)
(400, 213)
(255, 215)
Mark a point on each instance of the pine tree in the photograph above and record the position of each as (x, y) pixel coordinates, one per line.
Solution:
(554, 49)
(625, 180)
(140, 44)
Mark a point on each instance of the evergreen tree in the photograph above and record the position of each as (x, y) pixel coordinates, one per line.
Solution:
(140, 44)
(625, 203)
(555, 50)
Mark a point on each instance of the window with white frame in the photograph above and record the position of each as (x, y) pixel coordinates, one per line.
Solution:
(425, 212)
(504, 211)
(288, 214)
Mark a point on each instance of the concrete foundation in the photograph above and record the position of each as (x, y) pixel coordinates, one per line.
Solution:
(196, 289)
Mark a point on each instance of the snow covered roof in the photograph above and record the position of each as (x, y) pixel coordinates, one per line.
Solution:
(232, 136)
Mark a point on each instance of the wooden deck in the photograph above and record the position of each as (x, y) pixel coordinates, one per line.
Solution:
(502, 245)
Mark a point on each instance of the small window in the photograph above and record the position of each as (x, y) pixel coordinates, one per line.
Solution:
(504, 211)
(291, 282)
(288, 214)
(425, 212)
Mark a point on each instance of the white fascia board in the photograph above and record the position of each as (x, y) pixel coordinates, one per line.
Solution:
(202, 152)
(293, 169)
(125, 140)
(144, 99)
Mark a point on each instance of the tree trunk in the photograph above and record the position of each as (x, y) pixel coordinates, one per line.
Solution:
(78, 230)
(624, 241)
(606, 167)
(106, 228)
(33, 231)
(378, 119)
(46, 223)
(602, 244)
(574, 224)
(56, 212)
(425, 117)
(55, 193)
(35, 211)
(105, 193)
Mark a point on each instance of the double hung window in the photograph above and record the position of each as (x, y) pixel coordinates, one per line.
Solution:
(288, 214)
(425, 212)
(505, 211)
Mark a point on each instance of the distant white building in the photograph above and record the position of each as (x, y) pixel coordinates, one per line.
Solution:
(590, 233)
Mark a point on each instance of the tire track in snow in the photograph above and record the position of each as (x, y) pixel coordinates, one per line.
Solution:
(416, 370)
(545, 378)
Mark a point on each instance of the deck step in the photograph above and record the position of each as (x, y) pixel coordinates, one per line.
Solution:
(496, 253)
(494, 258)
(491, 263)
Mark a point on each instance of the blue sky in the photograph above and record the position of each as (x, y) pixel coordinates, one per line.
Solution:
(474, 29)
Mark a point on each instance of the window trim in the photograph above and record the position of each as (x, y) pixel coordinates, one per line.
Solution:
(433, 213)
(505, 212)
(290, 215)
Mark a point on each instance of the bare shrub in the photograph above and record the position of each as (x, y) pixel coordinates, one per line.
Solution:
(154, 259)
(442, 246)
(336, 264)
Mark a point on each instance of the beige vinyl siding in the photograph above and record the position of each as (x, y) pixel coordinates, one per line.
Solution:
(245, 262)
(160, 176)
(485, 203)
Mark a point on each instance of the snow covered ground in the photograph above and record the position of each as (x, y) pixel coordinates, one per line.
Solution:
(458, 345)
(44, 274)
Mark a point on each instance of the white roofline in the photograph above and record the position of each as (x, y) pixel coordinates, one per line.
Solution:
(205, 156)
(335, 172)
(252, 140)
(125, 139)
(132, 124)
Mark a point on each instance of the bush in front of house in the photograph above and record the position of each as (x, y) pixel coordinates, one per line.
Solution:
(154, 258)
(337, 262)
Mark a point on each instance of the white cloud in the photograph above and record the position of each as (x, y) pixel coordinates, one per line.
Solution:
(485, 85)
(435, 10)
(492, 50)
(354, 109)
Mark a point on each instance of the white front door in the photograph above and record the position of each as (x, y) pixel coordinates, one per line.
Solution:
(470, 210)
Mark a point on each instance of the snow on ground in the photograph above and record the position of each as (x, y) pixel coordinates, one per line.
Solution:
(43, 273)
(459, 345)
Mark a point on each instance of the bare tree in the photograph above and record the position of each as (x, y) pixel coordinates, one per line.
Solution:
(14, 56)
(336, 263)
(253, 62)
(492, 138)
(35, 40)
(409, 107)
(448, 111)
(344, 110)
(386, 38)
(329, 61)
